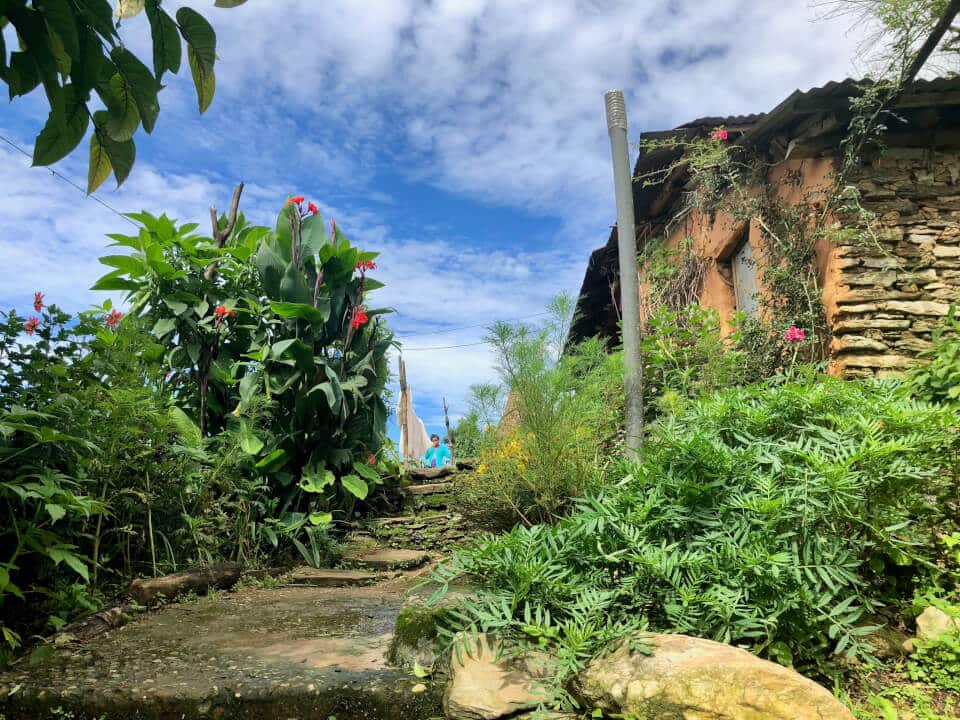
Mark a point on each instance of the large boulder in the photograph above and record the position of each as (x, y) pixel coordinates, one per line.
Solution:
(487, 682)
(933, 623)
(687, 678)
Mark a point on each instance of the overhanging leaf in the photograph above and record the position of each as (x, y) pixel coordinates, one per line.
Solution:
(141, 84)
(204, 80)
(166, 40)
(355, 486)
(63, 130)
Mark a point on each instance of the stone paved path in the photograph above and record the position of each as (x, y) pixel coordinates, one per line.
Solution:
(291, 652)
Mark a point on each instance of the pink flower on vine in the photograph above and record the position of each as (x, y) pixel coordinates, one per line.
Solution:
(113, 319)
(794, 335)
(31, 325)
(719, 134)
(38, 302)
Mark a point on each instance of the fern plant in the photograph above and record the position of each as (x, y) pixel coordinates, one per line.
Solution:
(765, 516)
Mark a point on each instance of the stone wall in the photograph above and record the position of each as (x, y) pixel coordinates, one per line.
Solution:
(890, 298)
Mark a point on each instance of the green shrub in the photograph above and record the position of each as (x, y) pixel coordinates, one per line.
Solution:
(939, 379)
(937, 662)
(560, 427)
(766, 516)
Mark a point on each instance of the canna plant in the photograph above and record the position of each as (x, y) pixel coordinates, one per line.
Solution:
(274, 315)
(320, 359)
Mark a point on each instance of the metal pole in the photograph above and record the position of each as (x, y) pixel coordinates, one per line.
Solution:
(629, 287)
(446, 420)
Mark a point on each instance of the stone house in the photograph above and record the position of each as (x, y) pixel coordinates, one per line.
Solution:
(881, 299)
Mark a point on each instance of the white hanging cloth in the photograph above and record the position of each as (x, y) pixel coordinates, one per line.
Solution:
(416, 440)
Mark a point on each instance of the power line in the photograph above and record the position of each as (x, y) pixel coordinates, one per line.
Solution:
(69, 181)
(443, 347)
(468, 327)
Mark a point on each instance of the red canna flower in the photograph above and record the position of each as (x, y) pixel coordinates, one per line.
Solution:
(366, 265)
(38, 302)
(359, 318)
(794, 335)
(312, 208)
(296, 199)
(31, 325)
(720, 134)
(223, 311)
(113, 319)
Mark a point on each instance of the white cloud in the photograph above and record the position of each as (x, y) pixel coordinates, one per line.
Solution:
(500, 101)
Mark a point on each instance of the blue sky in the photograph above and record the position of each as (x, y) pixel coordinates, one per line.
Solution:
(463, 139)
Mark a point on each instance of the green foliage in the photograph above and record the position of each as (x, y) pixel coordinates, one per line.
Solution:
(266, 331)
(939, 379)
(684, 357)
(561, 424)
(769, 516)
(74, 50)
(937, 662)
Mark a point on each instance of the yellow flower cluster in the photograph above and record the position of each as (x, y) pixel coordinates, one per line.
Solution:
(511, 451)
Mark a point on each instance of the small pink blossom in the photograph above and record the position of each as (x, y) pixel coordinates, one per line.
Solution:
(113, 319)
(794, 335)
(720, 134)
(31, 325)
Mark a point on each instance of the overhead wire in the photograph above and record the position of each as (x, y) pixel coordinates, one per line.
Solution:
(468, 327)
(69, 181)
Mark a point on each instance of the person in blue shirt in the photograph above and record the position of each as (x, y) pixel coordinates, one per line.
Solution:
(437, 455)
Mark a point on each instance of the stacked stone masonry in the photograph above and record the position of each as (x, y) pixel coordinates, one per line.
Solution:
(894, 291)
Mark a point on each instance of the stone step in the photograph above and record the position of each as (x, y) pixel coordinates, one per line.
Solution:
(253, 654)
(421, 475)
(429, 489)
(386, 559)
(412, 521)
(332, 577)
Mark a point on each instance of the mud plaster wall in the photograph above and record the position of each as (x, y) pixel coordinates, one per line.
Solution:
(891, 297)
(717, 237)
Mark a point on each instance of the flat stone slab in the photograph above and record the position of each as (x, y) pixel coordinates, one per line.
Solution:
(429, 489)
(424, 474)
(387, 558)
(332, 577)
(291, 652)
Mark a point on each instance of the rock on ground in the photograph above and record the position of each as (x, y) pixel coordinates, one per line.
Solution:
(691, 679)
(486, 684)
(933, 623)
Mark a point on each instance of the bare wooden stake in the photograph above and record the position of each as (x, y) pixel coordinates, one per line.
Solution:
(446, 419)
(220, 236)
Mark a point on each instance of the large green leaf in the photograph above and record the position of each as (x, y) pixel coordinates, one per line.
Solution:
(248, 386)
(186, 427)
(355, 486)
(273, 461)
(271, 268)
(121, 155)
(315, 481)
(61, 554)
(130, 264)
(201, 53)
(85, 69)
(249, 442)
(64, 129)
(123, 118)
(163, 327)
(60, 19)
(166, 40)
(141, 84)
(293, 287)
(22, 74)
(100, 166)
(228, 3)
(367, 471)
(204, 80)
(304, 311)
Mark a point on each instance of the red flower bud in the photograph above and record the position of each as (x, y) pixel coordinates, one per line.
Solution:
(38, 302)
(312, 208)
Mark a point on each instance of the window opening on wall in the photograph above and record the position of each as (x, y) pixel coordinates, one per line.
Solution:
(745, 276)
